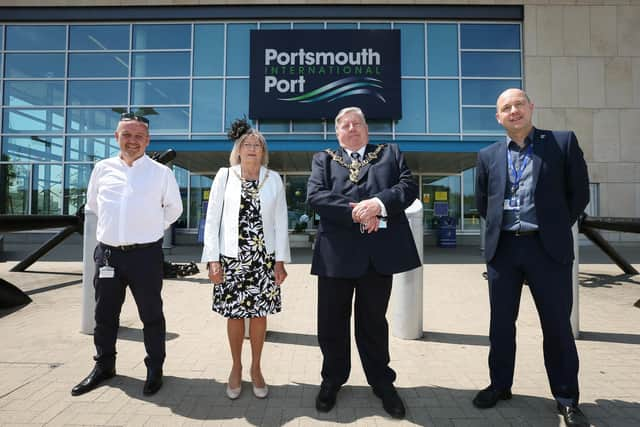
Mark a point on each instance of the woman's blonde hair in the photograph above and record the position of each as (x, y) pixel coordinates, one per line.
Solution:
(234, 157)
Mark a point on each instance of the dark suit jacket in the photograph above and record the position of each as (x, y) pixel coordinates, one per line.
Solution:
(561, 190)
(340, 249)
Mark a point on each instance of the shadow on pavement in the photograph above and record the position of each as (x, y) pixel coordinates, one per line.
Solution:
(135, 334)
(594, 280)
(205, 399)
(453, 338)
(611, 337)
(53, 287)
(292, 338)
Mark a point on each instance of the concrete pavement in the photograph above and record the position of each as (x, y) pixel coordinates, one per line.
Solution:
(42, 354)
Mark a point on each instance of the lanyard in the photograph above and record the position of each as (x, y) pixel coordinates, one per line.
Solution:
(517, 174)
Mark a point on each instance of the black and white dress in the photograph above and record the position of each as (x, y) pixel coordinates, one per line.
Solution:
(249, 288)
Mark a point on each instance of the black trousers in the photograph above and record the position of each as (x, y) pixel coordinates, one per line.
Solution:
(141, 269)
(523, 257)
(335, 299)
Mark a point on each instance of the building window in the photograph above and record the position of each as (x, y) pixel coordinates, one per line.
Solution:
(64, 85)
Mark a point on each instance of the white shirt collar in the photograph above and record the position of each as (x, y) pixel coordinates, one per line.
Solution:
(360, 151)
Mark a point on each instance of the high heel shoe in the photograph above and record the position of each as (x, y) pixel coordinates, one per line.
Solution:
(234, 393)
(260, 392)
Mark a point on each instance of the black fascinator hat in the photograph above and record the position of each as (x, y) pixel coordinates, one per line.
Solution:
(238, 128)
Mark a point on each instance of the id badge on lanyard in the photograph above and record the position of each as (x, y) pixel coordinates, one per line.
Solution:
(513, 203)
(106, 271)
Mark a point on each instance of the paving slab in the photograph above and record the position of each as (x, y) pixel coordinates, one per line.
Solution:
(43, 354)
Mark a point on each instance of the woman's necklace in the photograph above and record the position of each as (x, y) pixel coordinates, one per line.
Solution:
(254, 192)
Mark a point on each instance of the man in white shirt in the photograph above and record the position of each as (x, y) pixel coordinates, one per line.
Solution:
(135, 200)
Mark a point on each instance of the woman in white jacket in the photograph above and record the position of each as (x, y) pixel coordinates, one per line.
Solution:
(246, 244)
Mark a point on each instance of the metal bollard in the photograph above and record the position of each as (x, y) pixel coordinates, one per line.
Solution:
(407, 286)
(89, 242)
(575, 308)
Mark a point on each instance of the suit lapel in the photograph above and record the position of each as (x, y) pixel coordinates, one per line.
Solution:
(539, 139)
(369, 148)
(501, 168)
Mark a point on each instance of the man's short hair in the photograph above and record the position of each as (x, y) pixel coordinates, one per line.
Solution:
(127, 117)
(346, 110)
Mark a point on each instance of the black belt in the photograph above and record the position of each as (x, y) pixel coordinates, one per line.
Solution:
(519, 233)
(127, 248)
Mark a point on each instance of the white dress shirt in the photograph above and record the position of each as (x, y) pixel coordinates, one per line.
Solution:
(134, 204)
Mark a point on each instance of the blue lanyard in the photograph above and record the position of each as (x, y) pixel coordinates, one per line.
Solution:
(517, 174)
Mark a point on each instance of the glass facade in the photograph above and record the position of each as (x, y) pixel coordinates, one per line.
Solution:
(63, 87)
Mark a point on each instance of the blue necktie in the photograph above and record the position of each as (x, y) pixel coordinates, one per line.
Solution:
(355, 156)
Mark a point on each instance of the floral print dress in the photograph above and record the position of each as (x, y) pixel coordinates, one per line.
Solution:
(249, 288)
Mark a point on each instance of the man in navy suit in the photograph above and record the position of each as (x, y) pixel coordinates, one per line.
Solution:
(530, 190)
(360, 192)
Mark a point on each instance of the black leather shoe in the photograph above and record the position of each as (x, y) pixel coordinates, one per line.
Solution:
(326, 399)
(488, 397)
(153, 382)
(93, 380)
(391, 402)
(573, 416)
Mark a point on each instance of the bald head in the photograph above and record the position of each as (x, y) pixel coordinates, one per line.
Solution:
(511, 92)
(514, 111)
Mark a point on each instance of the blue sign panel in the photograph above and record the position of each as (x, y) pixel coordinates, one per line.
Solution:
(312, 74)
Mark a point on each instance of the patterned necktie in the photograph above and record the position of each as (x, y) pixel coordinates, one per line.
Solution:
(355, 156)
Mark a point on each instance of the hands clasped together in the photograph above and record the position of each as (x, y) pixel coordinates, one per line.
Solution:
(366, 213)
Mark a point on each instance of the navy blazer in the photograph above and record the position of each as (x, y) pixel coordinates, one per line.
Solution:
(340, 250)
(561, 190)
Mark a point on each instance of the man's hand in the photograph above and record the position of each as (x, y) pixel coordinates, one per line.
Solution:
(371, 225)
(280, 272)
(215, 272)
(365, 211)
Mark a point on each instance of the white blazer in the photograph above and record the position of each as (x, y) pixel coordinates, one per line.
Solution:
(221, 225)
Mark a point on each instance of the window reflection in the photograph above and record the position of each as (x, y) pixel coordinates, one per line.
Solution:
(480, 120)
(97, 92)
(36, 37)
(491, 64)
(33, 148)
(46, 192)
(444, 190)
(92, 120)
(91, 148)
(162, 36)
(168, 120)
(490, 36)
(98, 65)
(99, 37)
(208, 50)
(160, 92)
(34, 65)
(163, 64)
(14, 188)
(485, 92)
(296, 192)
(28, 93)
(237, 46)
(442, 45)
(199, 196)
(206, 114)
(75, 187)
(33, 121)
(471, 215)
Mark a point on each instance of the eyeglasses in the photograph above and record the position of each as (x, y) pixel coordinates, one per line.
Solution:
(125, 117)
(348, 125)
(252, 146)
